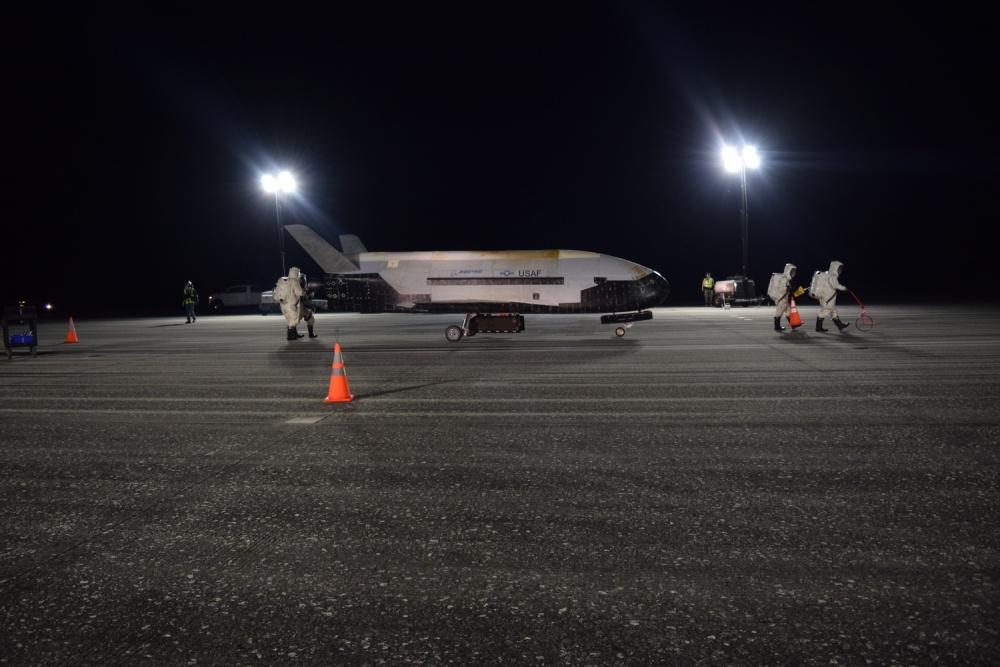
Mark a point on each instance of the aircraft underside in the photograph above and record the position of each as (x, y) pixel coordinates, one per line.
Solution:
(370, 293)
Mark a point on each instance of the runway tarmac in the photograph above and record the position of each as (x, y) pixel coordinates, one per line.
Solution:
(704, 490)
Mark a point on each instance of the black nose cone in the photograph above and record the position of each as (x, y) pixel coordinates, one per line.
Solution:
(655, 289)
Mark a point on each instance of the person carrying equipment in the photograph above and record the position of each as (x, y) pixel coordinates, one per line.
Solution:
(824, 288)
(780, 290)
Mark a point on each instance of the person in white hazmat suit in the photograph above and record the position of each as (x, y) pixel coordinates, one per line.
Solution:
(824, 288)
(780, 290)
(290, 292)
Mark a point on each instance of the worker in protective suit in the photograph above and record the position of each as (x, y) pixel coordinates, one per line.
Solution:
(780, 290)
(825, 286)
(291, 293)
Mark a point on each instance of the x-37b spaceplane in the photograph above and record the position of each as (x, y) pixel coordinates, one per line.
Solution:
(495, 289)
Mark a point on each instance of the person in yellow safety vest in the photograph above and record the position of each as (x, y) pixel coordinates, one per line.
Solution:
(708, 288)
(189, 302)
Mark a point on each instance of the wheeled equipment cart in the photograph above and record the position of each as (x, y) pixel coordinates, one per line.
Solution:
(20, 329)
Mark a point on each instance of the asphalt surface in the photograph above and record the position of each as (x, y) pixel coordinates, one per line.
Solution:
(704, 490)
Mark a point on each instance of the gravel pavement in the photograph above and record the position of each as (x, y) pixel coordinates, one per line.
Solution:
(704, 490)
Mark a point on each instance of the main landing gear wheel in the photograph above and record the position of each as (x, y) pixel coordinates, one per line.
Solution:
(620, 331)
(453, 333)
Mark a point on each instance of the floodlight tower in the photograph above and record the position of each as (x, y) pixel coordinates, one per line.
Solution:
(734, 161)
(283, 183)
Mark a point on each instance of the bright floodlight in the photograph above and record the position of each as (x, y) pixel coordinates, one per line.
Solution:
(283, 182)
(730, 159)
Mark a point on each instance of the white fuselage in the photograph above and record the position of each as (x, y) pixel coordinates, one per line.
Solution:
(505, 281)
(536, 277)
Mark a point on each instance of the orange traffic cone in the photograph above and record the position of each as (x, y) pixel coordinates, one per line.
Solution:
(71, 334)
(793, 317)
(339, 391)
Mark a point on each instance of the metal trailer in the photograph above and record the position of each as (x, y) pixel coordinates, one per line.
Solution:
(24, 319)
(736, 291)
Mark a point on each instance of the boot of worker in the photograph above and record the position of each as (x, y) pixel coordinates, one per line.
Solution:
(819, 325)
(295, 330)
(292, 334)
(777, 324)
(312, 334)
(840, 325)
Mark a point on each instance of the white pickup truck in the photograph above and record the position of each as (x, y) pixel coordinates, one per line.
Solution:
(243, 297)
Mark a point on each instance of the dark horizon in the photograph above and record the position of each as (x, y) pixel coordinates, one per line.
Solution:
(140, 142)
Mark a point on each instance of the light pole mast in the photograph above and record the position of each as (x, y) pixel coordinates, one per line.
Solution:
(283, 183)
(281, 234)
(734, 161)
(744, 232)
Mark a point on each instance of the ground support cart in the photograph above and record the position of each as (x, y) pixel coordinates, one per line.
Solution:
(736, 291)
(20, 329)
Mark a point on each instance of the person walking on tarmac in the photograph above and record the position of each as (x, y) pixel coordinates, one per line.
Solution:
(824, 288)
(780, 290)
(708, 288)
(189, 301)
(291, 293)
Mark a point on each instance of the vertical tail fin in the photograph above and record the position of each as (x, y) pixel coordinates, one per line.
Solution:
(351, 244)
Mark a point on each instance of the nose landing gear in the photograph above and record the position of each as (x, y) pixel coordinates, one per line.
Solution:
(626, 319)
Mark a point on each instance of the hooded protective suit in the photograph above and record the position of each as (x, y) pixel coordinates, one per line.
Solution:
(780, 290)
(825, 289)
(291, 294)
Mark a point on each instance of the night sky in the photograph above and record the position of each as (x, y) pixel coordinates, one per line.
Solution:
(139, 140)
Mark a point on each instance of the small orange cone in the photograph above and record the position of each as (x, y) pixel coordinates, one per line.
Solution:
(71, 334)
(339, 391)
(793, 317)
